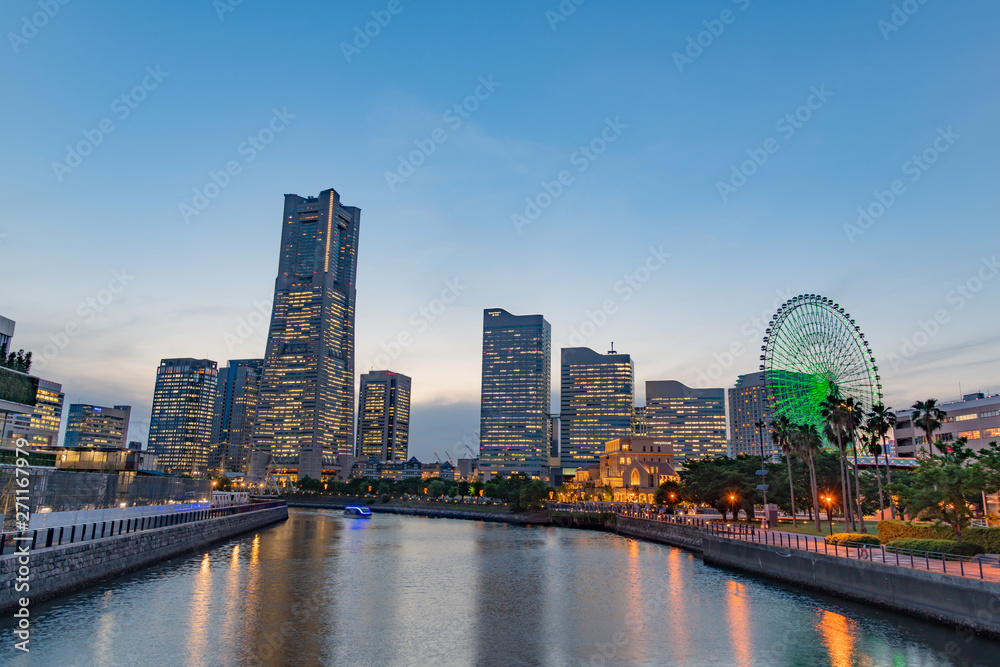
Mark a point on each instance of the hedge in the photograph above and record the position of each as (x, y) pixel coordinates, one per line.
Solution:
(863, 538)
(987, 538)
(937, 546)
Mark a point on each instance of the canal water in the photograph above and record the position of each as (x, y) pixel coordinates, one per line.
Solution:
(324, 589)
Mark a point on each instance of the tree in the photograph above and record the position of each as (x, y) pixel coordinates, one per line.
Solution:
(307, 483)
(713, 480)
(668, 494)
(880, 420)
(927, 417)
(781, 435)
(837, 419)
(945, 484)
(16, 361)
(805, 441)
(222, 483)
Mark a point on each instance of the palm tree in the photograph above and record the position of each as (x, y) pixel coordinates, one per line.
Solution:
(927, 416)
(880, 420)
(836, 418)
(856, 416)
(781, 435)
(806, 443)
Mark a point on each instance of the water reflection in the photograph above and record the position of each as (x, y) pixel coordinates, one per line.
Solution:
(838, 637)
(321, 589)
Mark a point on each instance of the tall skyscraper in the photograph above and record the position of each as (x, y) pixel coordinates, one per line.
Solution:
(234, 414)
(694, 419)
(97, 426)
(305, 415)
(180, 428)
(597, 400)
(516, 394)
(747, 406)
(384, 416)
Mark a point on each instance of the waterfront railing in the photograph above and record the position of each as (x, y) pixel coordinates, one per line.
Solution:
(917, 559)
(42, 538)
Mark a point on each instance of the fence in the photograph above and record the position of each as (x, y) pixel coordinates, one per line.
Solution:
(81, 532)
(931, 561)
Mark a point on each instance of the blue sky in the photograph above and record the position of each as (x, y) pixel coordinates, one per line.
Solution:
(199, 81)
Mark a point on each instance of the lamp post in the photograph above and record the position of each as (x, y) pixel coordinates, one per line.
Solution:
(763, 470)
(732, 504)
(829, 515)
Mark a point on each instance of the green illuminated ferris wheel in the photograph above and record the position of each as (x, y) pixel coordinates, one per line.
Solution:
(811, 347)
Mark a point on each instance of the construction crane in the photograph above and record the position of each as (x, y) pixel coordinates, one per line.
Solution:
(448, 457)
(469, 449)
(438, 457)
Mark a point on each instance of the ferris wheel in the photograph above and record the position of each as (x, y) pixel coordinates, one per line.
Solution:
(811, 348)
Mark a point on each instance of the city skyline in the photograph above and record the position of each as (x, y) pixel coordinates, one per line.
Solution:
(672, 131)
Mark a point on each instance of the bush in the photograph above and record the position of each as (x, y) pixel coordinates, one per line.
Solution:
(987, 538)
(894, 529)
(937, 546)
(841, 538)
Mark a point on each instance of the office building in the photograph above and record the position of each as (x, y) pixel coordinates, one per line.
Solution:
(747, 406)
(597, 403)
(976, 417)
(384, 416)
(6, 333)
(305, 415)
(97, 426)
(516, 394)
(40, 425)
(639, 424)
(234, 414)
(693, 419)
(180, 428)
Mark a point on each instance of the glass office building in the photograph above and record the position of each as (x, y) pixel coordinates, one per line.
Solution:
(516, 394)
(597, 403)
(180, 428)
(384, 416)
(305, 415)
(97, 426)
(235, 411)
(748, 405)
(693, 419)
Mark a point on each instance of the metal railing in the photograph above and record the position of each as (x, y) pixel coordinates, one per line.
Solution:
(931, 561)
(41, 538)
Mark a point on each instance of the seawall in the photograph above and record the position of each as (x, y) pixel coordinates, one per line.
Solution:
(62, 569)
(949, 599)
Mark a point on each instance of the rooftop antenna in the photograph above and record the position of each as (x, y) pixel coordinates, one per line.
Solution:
(612, 350)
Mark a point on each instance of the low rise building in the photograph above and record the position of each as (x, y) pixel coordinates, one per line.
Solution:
(976, 417)
(635, 467)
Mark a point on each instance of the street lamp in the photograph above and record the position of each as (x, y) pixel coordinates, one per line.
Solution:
(829, 516)
(732, 504)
